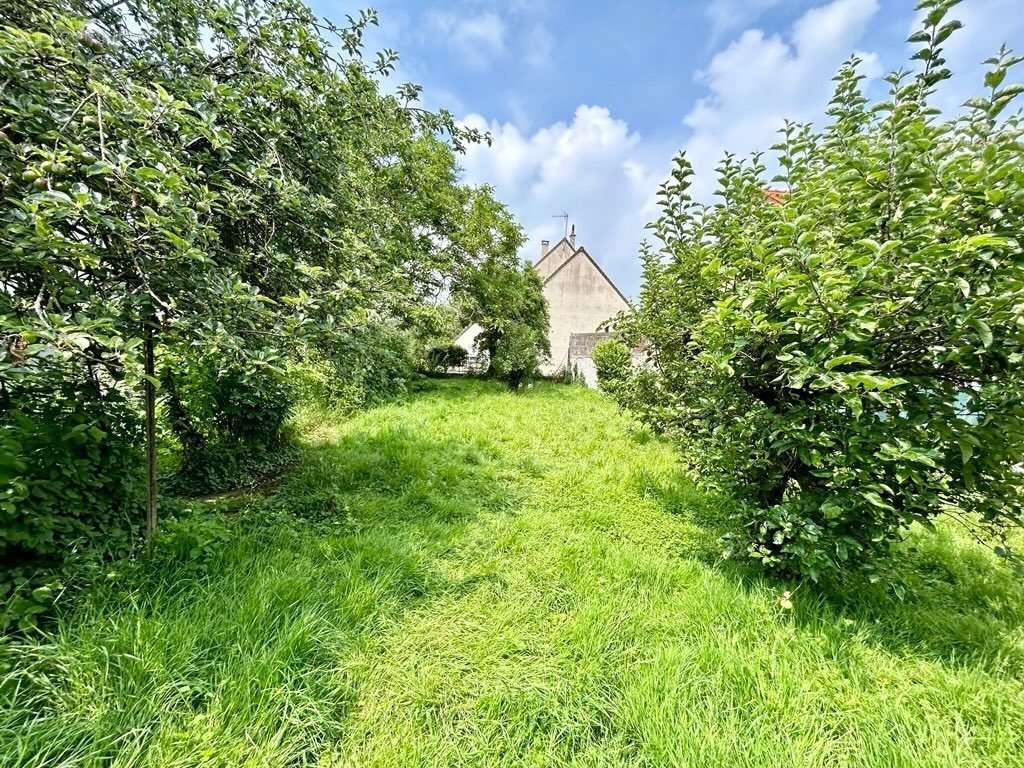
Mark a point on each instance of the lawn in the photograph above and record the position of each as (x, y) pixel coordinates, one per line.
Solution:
(488, 579)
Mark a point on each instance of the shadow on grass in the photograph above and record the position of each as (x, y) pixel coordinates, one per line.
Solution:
(943, 599)
(682, 497)
(956, 605)
(393, 476)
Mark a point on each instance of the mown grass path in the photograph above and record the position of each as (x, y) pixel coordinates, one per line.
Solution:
(493, 579)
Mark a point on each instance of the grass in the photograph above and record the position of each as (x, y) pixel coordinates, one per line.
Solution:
(488, 579)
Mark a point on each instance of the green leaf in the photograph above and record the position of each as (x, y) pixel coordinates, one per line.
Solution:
(994, 78)
(966, 450)
(983, 331)
(835, 362)
(979, 242)
(875, 499)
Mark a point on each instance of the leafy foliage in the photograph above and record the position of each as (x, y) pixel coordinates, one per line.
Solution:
(849, 352)
(370, 365)
(502, 295)
(228, 417)
(613, 363)
(359, 369)
(67, 482)
(515, 359)
(231, 177)
(446, 356)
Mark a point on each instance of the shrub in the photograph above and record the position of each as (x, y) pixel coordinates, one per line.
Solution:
(613, 363)
(229, 418)
(355, 369)
(569, 374)
(515, 359)
(313, 379)
(372, 364)
(447, 356)
(68, 478)
(849, 351)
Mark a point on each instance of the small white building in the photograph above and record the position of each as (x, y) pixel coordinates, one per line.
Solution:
(580, 297)
(467, 339)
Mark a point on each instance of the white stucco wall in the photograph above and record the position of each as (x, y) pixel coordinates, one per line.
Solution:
(579, 299)
(467, 339)
(554, 258)
(587, 370)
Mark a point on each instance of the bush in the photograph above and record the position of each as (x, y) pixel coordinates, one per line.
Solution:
(68, 478)
(356, 369)
(372, 365)
(570, 374)
(229, 418)
(515, 359)
(447, 356)
(849, 351)
(613, 363)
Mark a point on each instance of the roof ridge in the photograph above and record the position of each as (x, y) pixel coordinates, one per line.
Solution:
(554, 247)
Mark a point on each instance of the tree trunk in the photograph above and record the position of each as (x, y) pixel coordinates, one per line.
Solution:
(149, 390)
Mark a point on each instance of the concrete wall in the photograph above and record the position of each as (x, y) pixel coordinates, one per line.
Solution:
(587, 370)
(579, 299)
(581, 355)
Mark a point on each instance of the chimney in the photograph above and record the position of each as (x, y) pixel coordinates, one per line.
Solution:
(544, 248)
(572, 236)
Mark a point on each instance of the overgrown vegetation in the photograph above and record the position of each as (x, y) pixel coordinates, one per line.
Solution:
(475, 577)
(515, 358)
(228, 417)
(847, 352)
(447, 356)
(613, 363)
(198, 197)
(507, 301)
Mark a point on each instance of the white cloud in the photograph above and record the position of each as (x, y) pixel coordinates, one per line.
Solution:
(606, 174)
(727, 15)
(987, 25)
(758, 81)
(477, 38)
(594, 167)
(538, 44)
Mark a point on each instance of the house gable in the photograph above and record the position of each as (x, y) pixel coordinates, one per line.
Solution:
(580, 299)
(583, 251)
(555, 258)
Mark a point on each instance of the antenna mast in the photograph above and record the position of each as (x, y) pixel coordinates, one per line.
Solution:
(565, 219)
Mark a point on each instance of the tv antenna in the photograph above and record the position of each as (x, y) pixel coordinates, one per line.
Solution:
(565, 219)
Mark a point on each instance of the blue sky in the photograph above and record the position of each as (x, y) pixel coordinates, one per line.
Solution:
(588, 101)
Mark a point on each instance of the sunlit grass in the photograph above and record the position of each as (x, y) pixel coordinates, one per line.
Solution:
(496, 579)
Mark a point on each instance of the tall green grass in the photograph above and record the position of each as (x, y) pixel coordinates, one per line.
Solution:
(478, 578)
